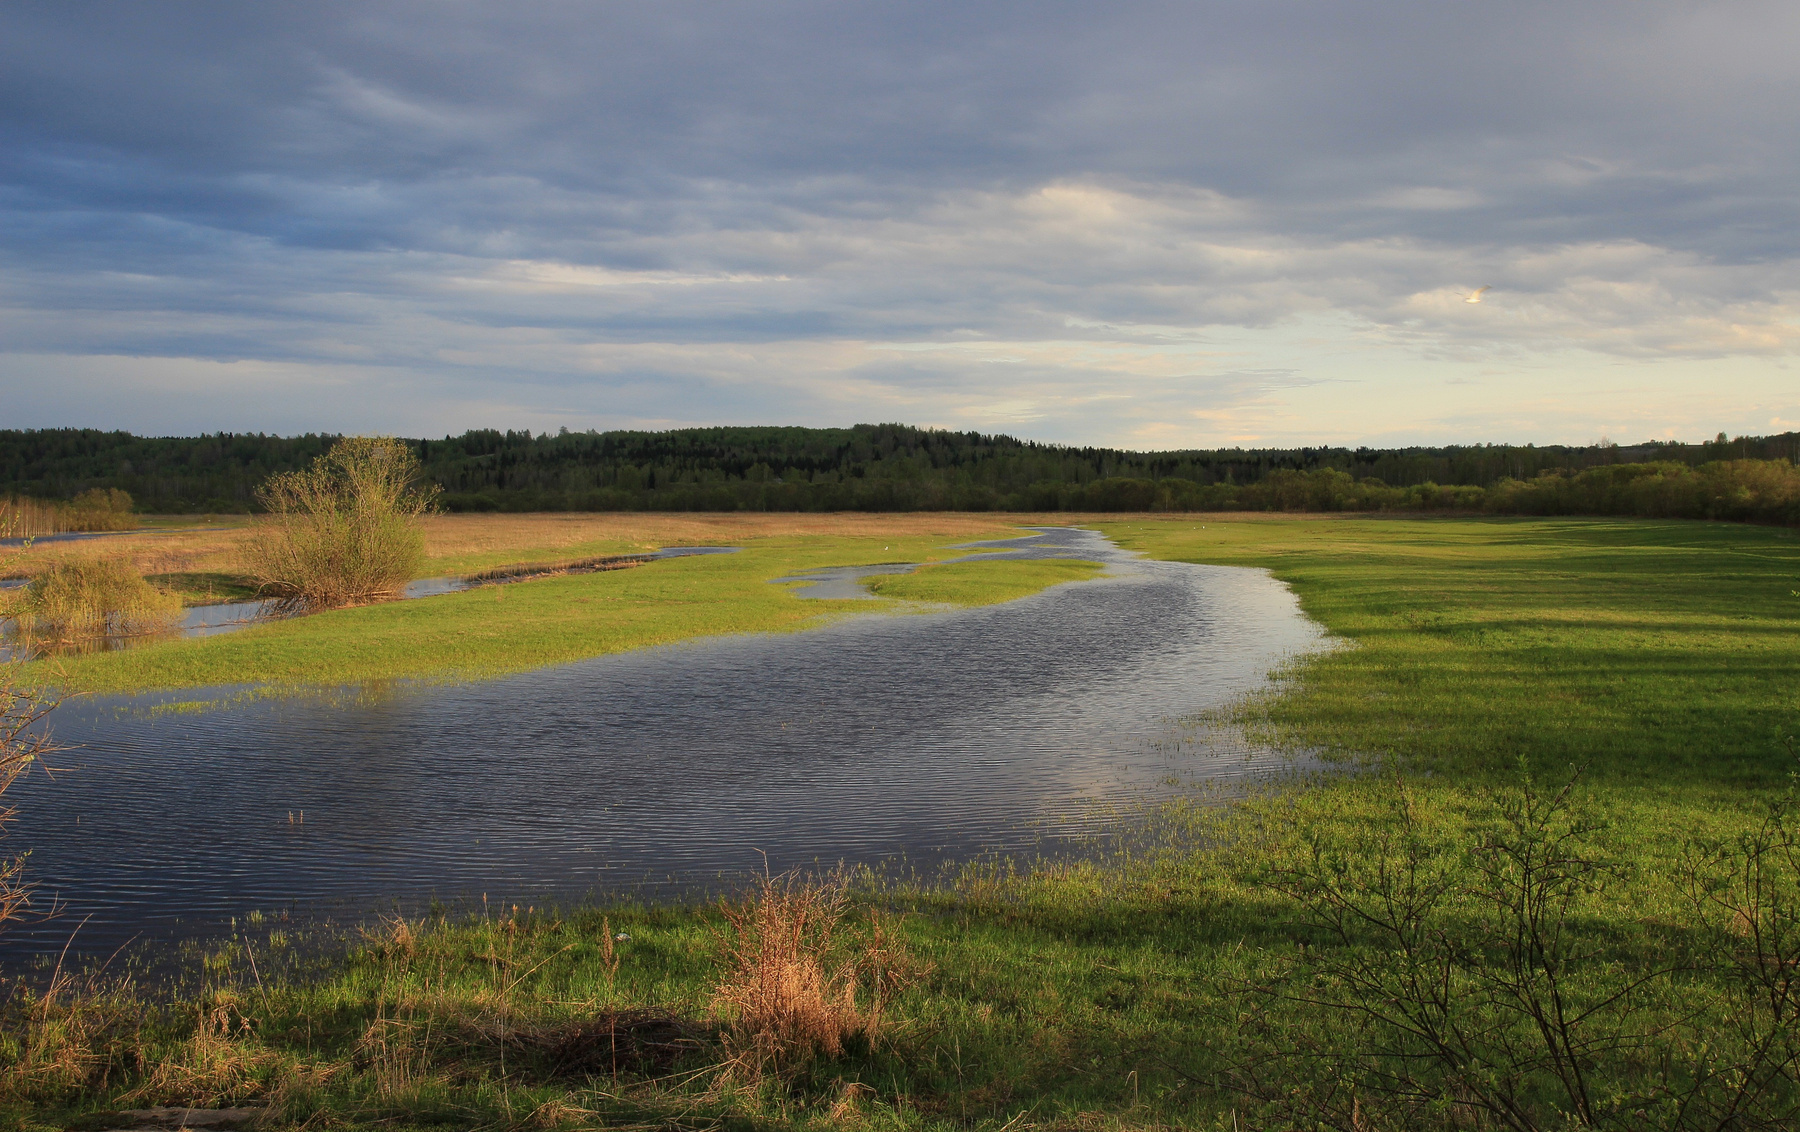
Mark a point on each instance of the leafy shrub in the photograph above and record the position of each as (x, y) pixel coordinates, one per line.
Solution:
(93, 597)
(98, 509)
(344, 531)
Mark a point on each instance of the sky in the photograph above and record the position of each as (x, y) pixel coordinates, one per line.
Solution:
(1146, 225)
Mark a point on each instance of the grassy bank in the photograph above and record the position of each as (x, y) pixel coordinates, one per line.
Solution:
(493, 631)
(1440, 944)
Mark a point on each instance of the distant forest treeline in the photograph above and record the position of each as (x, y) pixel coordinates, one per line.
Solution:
(899, 468)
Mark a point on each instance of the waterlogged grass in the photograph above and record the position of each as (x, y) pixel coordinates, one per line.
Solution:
(1620, 955)
(203, 587)
(979, 582)
(495, 630)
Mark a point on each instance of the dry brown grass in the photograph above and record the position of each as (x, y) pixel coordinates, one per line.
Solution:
(175, 550)
(66, 1039)
(452, 539)
(479, 537)
(457, 542)
(800, 982)
(474, 536)
(219, 1063)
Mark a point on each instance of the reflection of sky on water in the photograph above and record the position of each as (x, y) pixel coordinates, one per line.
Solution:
(929, 738)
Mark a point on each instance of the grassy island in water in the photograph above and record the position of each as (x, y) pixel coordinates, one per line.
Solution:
(496, 630)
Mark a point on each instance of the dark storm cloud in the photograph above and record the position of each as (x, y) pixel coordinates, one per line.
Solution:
(334, 182)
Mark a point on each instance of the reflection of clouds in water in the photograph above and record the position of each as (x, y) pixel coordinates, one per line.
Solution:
(932, 737)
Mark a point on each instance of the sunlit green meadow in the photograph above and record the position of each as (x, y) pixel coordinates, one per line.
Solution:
(497, 630)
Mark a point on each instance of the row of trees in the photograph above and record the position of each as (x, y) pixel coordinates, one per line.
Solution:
(868, 467)
(1763, 491)
(96, 509)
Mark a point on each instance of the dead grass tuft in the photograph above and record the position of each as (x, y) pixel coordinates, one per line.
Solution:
(558, 1112)
(220, 1062)
(68, 1038)
(800, 982)
(847, 1108)
(396, 937)
(397, 1053)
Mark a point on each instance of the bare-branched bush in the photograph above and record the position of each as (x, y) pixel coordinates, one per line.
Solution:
(800, 980)
(22, 743)
(344, 531)
(98, 509)
(77, 598)
(27, 518)
(1459, 975)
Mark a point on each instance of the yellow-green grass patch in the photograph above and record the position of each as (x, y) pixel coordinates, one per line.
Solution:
(981, 582)
(496, 630)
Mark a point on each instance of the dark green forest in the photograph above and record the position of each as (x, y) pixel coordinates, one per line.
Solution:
(895, 467)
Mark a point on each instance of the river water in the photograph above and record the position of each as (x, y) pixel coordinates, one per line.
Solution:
(922, 738)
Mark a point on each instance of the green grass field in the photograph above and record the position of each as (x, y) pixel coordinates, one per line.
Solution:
(495, 630)
(1655, 654)
(1434, 941)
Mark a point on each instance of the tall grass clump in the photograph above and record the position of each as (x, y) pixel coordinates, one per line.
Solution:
(92, 597)
(344, 531)
(800, 982)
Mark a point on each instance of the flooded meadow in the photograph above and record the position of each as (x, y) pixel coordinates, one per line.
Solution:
(905, 742)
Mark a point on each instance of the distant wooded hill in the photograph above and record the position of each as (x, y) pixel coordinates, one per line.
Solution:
(896, 467)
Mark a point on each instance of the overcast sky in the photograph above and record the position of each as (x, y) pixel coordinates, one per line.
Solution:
(1139, 224)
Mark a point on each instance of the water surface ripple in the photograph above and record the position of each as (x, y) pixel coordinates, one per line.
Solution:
(926, 737)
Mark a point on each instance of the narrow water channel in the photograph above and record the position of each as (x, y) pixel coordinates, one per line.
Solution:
(922, 738)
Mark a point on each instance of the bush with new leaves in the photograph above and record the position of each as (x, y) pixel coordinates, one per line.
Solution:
(344, 531)
(77, 599)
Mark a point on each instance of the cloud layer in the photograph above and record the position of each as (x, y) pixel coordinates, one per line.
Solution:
(1143, 224)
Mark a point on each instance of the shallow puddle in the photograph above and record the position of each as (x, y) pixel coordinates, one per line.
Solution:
(918, 739)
